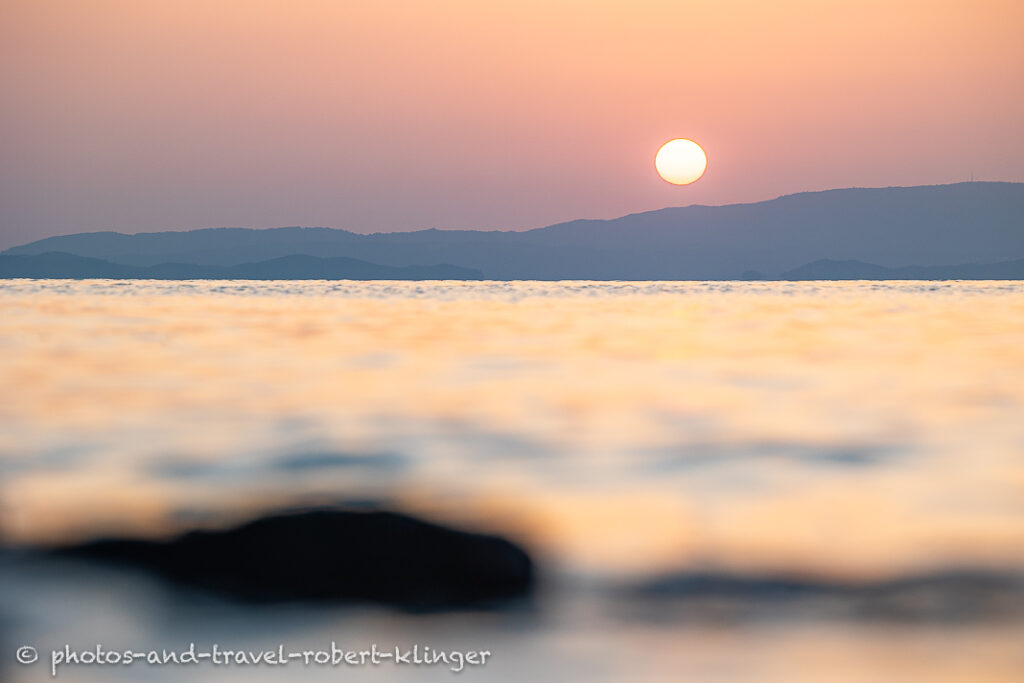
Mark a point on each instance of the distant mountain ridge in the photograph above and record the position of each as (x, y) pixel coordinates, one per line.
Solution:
(929, 226)
(294, 267)
(827, 269)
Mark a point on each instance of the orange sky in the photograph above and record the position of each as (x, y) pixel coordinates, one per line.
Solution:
(140, 115)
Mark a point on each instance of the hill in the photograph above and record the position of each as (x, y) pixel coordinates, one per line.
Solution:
(827, 269)
(892, 227)
(294, 267)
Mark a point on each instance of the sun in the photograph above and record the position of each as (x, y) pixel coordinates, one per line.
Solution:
(681, 161)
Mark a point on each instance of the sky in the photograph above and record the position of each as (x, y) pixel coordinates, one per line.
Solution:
(143, 115)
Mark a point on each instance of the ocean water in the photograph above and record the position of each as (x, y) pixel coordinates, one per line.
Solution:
(860, 442)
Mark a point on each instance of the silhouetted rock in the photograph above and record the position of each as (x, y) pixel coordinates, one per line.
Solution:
(330, 555)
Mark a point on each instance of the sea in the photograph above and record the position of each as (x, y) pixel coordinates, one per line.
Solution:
(718, 481)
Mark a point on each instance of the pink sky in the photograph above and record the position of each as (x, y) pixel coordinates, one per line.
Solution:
(151, 115)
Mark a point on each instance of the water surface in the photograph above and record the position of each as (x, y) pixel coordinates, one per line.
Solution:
(845, 433)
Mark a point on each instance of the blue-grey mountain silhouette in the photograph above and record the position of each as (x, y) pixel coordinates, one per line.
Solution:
(965, 223)
(827, 269)
(294, 267)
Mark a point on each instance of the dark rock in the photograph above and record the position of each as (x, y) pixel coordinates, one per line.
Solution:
(333, 555)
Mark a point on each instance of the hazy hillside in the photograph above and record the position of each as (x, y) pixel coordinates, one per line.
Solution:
(892, 227)
(827, 269)
(295, 267)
